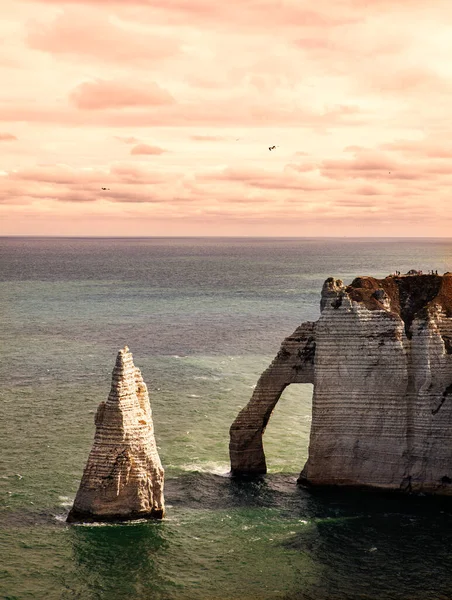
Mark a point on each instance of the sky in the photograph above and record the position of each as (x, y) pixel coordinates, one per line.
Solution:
(172, 105)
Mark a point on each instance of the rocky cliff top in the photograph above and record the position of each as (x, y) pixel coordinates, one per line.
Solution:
(407, 296)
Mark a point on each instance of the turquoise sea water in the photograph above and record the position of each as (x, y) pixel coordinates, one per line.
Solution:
(203, 318)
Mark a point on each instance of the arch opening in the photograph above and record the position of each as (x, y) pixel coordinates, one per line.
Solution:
(286, 437)
(294, 363)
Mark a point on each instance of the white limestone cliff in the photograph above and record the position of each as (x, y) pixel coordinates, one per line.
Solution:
(123, 478)
(381, 365)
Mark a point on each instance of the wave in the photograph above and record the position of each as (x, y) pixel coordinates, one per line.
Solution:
(66, 501)
(213, 468)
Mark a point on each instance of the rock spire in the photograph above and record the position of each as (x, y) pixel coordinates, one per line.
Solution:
(123, 478)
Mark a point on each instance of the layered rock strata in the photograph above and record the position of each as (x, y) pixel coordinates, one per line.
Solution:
(123, 478)
(380, 360)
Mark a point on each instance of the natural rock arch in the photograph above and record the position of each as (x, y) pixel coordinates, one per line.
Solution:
(294, 363)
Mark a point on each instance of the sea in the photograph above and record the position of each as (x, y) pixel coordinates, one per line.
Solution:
(203, 318)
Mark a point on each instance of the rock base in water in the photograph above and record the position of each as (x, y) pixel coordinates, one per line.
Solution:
(84, 517)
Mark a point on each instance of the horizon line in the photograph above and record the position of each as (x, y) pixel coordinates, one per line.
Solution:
(247, 237)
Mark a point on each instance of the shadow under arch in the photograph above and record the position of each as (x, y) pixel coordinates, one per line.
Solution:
(294, 363)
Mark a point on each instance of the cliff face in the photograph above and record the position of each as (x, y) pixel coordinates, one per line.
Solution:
(381, 365)
(123, 478)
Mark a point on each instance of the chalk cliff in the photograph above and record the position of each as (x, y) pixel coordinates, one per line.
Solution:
(123, 478)
(380, 360)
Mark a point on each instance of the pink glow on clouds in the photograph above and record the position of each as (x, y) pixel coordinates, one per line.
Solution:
(96, 38)
(97, 95)
(173, 104)
(146, 149)
(7, 137)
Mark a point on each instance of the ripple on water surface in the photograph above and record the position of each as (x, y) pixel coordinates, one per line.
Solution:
(227, 538)
(203, 318)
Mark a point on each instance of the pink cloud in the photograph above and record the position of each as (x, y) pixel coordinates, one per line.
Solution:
(439, 152)
(302, 167)
(65, 175)
(367, 169)
(403, 79)
(98, 39)
(146, 149)
(376, 165)
(127, 140)
(354, 203)
(365, 165)
(208, 138)
(96, 95)
(316, 43)
(367, 190)
(377, 5)
(339, 46)
(336, 54)
(135, 196)
(7, 137)
(54, 174)
(422, 148)
(260, 178)
(123, 183)
(226, 112)
(135, 175)
(239, 13)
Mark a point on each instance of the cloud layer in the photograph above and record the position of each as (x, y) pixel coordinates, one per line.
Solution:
(173, 105)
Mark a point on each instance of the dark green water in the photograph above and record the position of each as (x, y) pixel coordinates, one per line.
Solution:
(203, 317)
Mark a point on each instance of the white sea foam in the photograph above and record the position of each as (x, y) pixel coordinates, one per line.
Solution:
(94, 524)
(66, 501)
(214, 468)
(60, 518)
